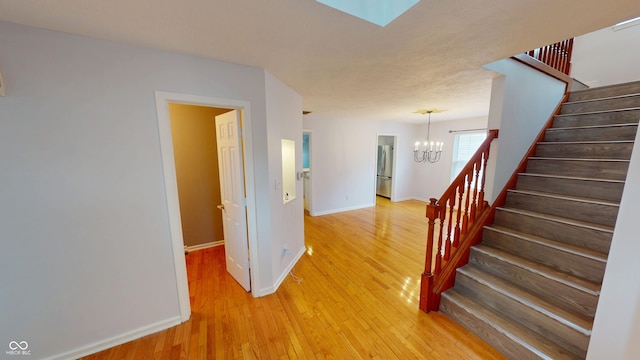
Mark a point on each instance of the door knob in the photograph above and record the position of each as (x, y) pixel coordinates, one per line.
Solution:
(221, 207)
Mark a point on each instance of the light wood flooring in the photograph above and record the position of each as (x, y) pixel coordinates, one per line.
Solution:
(358, 299)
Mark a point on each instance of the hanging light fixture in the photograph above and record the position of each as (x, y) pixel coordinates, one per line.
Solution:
(430, 151)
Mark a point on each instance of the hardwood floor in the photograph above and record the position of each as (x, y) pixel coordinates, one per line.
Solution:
(358, 299)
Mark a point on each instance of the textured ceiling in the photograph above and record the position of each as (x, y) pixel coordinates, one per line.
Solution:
(430, 57)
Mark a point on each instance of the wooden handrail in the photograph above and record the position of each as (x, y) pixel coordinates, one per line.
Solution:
(452, 220)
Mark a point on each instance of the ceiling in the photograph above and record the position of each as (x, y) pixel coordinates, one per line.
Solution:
(344, 67)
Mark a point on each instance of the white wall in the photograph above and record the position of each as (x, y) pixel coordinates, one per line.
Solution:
(606, 57)
(284, 121)
(616, 329)
(521, 103)
(85, 250)
(343, 162)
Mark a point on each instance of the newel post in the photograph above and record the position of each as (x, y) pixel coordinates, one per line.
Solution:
(429, 300)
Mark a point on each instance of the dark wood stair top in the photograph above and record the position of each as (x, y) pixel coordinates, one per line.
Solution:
(538, 346)
(560, 246)
(542, 270)
(542, 307)
(566, 197)
(560, 219)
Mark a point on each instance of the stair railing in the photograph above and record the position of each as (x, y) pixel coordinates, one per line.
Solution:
(452, 228)
(557, 55)
(553, 60)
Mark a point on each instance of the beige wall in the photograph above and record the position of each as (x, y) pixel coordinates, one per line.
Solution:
(196, 157)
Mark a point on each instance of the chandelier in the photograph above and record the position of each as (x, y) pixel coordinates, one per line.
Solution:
(429, 151)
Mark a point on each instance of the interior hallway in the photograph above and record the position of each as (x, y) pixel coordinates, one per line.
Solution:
(358, 299)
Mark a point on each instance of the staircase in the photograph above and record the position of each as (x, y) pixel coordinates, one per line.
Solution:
(531, 287)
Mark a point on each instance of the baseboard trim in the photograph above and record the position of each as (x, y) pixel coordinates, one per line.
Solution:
(204, 246)
(117, 340)
(406, 199)
(333, 211)
(272, 289)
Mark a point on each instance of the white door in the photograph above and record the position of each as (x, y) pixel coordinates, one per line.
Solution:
(234, 215)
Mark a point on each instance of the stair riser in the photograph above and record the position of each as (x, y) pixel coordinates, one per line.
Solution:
(564, 296)
(605, 91)
(606, 150)
(554, 330)
(605, 118)
(586, 268)
(493, 336)
(611, 133)
(585, 237)
(611, 191)
(598, 213)
(612, 170)
(601, 105)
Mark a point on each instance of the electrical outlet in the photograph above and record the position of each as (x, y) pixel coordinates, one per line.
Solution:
(285, 250)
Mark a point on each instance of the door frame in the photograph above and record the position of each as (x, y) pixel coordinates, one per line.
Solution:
(163, 99)
(310, 204)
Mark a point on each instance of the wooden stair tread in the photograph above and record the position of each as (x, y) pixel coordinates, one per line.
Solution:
(526, 338)
(513, 292)
(614, 87)
(614, 97)
(559, 219)
(589, 127)
(600, 111)
(603, 149)
(540, 269)
(566, 197)
(576, 250)
(622, 110)
(553, 176)
(587, 142)
(575, 159)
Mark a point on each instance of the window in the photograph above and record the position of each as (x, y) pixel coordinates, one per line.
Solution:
(464, 146)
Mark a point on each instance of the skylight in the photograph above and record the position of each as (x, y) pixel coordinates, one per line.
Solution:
(379, 12)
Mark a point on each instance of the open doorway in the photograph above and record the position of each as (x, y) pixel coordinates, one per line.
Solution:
(196, 157)
(385, 166)
(306, 172)
(163, 99)
(209, 174)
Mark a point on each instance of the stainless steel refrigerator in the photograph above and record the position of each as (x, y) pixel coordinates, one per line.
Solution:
(385, 167)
